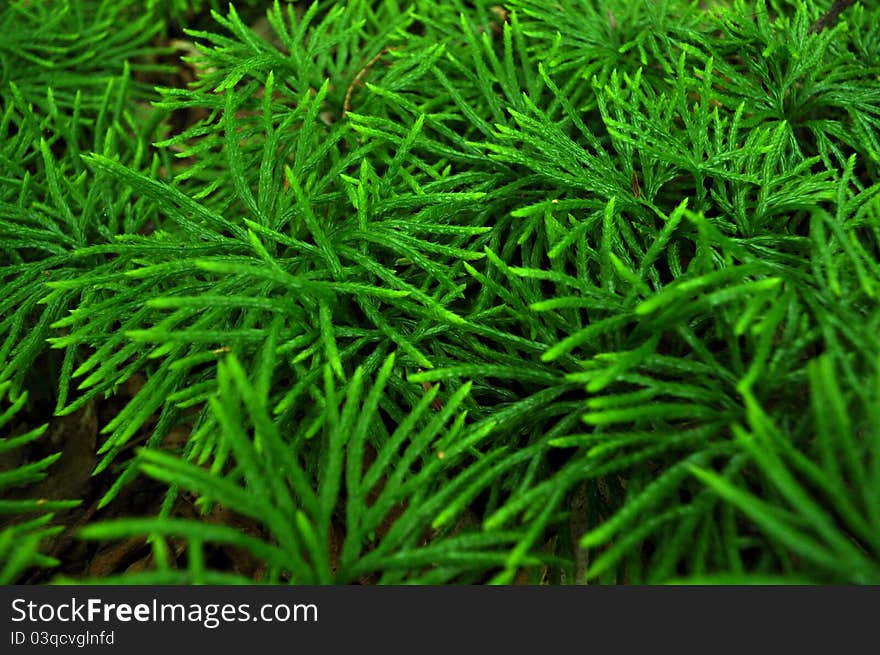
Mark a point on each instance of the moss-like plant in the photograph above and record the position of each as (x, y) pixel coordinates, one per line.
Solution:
(26, 522)
(469, 292)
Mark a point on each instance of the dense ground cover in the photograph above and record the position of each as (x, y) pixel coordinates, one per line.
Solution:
(434, 292)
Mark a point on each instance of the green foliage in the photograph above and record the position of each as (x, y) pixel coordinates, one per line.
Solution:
(455, 293)
(296, 499)
(74, 48)
(67, 89)
(25, 522)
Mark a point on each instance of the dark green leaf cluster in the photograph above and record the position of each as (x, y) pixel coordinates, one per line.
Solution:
(67, 89)
(463, 292)
(24, 522)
